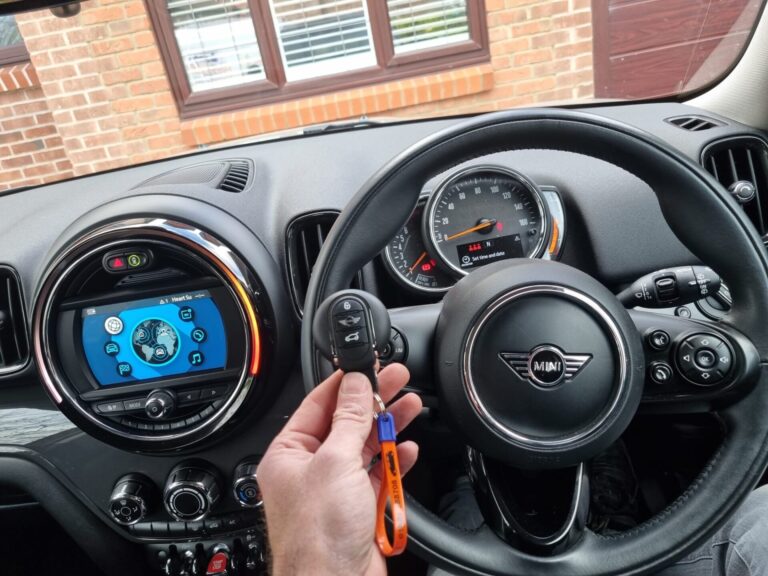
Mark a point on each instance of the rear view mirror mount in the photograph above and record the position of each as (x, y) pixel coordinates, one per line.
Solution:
(60, 8)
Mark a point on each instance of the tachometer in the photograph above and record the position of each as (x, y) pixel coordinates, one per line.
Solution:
(484, 214)
(409, 260)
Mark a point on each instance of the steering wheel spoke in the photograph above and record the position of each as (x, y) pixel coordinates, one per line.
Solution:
(541, 512)
(417, 325)
(693, 365)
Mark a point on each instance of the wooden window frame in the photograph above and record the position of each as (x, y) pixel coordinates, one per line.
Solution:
(274, 87)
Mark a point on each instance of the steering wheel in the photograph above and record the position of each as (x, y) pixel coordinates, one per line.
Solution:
(510, 309)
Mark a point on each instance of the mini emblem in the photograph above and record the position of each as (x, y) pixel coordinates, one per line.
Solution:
(545, 365)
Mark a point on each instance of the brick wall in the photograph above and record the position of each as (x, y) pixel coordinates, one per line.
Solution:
(105, 85)
(31, 149)
(102, 99)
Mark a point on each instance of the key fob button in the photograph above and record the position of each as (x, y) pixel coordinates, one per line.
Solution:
(345, 306)
(350, 320)
(352, 338)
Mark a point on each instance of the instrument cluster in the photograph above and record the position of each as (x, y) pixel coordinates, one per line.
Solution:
(473, 217)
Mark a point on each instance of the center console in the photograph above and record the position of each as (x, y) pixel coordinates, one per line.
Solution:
(155, 336)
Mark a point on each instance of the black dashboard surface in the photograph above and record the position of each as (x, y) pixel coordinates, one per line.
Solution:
(615, 232)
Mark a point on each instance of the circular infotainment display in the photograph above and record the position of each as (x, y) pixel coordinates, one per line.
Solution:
(181, 322)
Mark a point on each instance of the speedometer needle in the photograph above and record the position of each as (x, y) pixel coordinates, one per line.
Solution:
(481, 226)
(418, 261)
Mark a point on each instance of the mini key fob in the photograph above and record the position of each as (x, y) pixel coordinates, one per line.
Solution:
(351, 327)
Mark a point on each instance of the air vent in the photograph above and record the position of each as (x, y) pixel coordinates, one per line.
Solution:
(694, 123)
(14, 345)
(742, 159)
(237, 176)
(305, 236)
(227, 175)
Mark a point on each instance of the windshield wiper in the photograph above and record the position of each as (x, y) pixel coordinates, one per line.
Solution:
(362, 122)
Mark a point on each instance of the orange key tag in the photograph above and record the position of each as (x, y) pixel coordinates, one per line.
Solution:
(391, 491)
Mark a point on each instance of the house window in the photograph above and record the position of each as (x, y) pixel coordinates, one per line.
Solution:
(12, 49)
(227, 54)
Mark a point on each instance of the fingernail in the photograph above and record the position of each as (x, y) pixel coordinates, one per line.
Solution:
(354, 383)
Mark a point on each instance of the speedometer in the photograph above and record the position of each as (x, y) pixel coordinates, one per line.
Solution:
(484, 214)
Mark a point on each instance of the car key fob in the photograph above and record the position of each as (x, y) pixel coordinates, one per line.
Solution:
(351, 328)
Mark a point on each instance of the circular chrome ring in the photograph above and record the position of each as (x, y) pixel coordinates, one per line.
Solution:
(227, 266)
(525, 181)
(482, 410)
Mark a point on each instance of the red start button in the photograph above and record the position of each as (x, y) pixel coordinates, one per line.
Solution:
(217, 564)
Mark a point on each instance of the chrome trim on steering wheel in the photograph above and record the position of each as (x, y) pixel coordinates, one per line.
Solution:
(482, 410)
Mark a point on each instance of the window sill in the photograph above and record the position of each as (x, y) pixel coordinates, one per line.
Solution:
(18, 77)
(373, 99)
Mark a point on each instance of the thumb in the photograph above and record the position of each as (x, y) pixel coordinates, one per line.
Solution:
(353, 417)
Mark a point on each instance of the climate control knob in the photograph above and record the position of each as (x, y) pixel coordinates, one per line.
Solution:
(159, 404)
(192, 489)
(131, 499)
(244, 484)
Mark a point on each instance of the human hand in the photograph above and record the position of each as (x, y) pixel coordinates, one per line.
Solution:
(319, 498)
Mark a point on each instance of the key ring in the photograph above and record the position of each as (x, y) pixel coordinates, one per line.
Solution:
(378, 403)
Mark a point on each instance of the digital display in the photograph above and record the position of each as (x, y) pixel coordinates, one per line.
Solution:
(172, 335)
(478, 253)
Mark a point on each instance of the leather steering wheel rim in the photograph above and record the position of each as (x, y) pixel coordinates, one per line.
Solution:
(720, 235)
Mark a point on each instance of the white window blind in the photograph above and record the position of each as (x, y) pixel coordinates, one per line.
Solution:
(217, 42)
(420, 24)
(322, 37)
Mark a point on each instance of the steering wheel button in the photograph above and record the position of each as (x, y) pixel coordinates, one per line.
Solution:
(661, 372)
(706, 358)
(658, 339)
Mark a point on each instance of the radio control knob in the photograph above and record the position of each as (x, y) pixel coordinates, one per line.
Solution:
(245, 486)
(159, 404)
(131, 499)
(192, 489)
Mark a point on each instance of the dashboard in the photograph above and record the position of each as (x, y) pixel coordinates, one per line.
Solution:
(161, 313)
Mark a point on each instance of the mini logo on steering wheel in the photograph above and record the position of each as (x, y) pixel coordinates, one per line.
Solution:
(546, 365)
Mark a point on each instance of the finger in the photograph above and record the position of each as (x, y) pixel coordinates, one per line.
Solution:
(403, 412)
(407, 455)
(391, 381)
(309, 425)
(353, 416)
